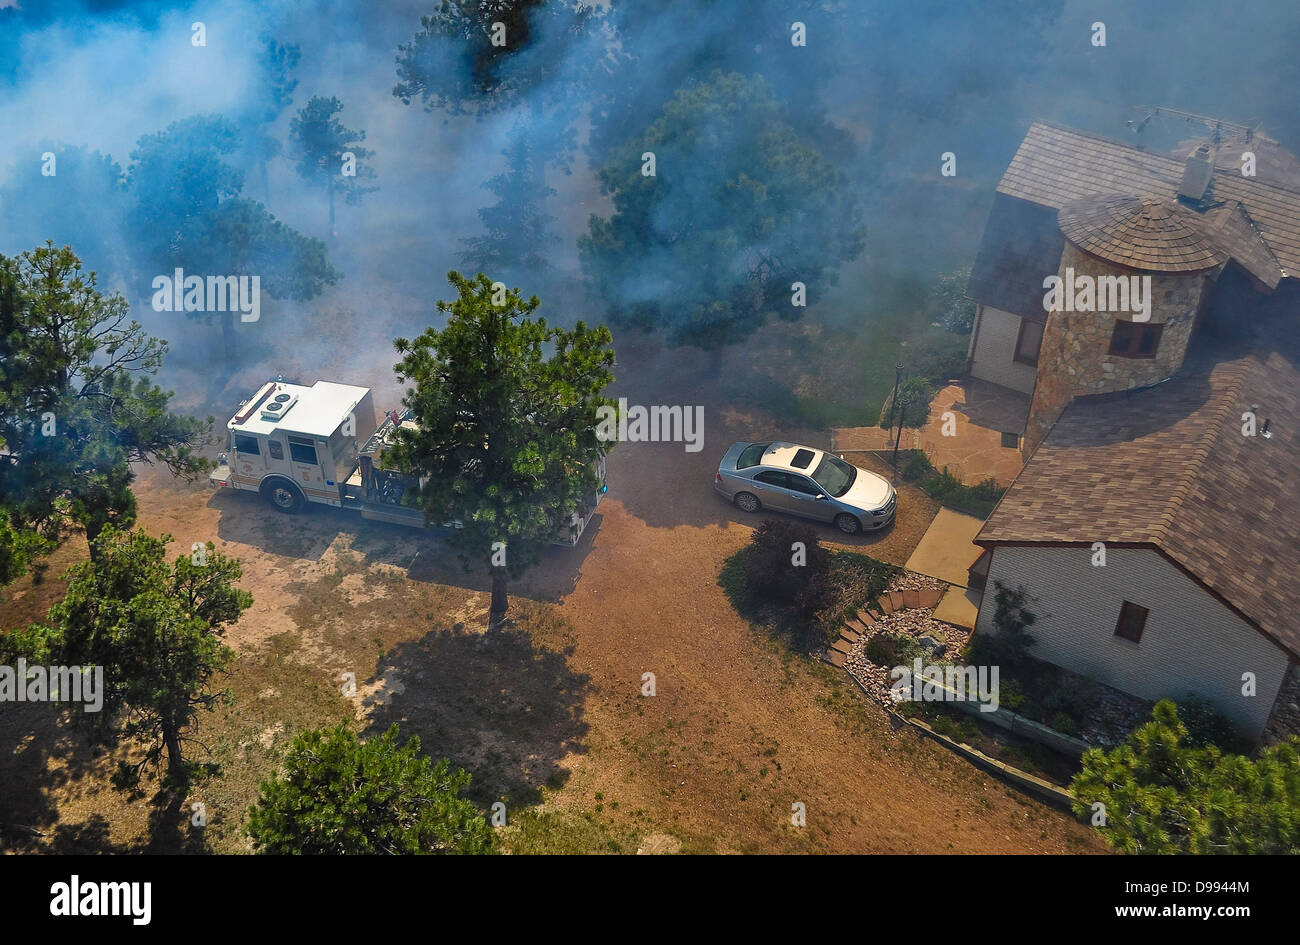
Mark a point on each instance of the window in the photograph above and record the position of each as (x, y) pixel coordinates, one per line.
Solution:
(1133, 340)
(772, 478)
(1132, 618)
(750, 455)
(302, 451)
(276, 448)
(803, 485)
(246, 444)
(1029, 341)
(802, 459)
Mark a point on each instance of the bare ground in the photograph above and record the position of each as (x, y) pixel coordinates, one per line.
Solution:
(549, 712)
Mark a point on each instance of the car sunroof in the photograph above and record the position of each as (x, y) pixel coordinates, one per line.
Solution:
(801, 459)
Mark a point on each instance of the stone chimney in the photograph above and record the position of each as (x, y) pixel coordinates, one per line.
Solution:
(1197, 174)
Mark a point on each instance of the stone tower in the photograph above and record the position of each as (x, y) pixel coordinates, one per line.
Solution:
(1134, 275)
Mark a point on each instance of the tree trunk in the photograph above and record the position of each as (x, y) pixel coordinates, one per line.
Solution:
(330, 185)
(228, 334)
(94, 526)
(172, 739)
(500, 603)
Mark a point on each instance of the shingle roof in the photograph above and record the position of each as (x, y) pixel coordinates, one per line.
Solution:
(1022, 243)
(1168, 467)
(1231, 227)
(1141, 232)
(1055, 166)
(1274, 164)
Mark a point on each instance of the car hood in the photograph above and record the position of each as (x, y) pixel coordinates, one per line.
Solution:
(869, 491)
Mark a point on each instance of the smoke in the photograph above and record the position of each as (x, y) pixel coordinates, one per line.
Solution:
(883, 89)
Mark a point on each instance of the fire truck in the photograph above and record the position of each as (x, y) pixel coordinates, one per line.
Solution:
(294, 445)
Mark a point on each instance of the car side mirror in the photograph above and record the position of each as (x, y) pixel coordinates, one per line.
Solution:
(819, 496)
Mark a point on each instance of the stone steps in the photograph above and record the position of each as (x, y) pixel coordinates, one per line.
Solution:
(863, 623)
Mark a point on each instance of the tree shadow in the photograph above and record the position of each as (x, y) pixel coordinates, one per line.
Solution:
(493, 703)
(171, 828)
(41, 751)
(423, 554)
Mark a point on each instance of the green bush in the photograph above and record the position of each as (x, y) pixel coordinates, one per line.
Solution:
(955, 312)
(1166, 796)
(772, 571)
(836, 584)
(1205, 726)
(958, 729)
(944, 487)
(917, 466)
(1064, 724)
(892, 649)
(1010, 695)
(340, 795)
(1009, 646)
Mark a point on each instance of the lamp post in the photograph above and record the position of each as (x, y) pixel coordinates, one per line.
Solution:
(902, 409)
(893, 400)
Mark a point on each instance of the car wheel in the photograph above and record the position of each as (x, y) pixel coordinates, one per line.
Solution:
(747, 502)
(285, 496)
(848, 524)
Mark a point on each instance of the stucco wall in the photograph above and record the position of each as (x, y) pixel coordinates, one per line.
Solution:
(1191, 642)
(994, 351)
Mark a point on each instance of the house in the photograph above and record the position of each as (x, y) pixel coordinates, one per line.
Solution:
(1221, 253)
(1156, 523)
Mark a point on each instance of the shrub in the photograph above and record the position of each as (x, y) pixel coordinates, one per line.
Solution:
(917, 466)
(1064, 724)
(944, 487)
(340, 795)
(1010, 695)
(1206, 726)
(1166, 796)
(958, 729)
(1012, 619)
(892, 649)
(773, 571)
(955, 312)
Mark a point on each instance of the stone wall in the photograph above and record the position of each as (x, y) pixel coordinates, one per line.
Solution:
(1075, 359)
(1285, 720)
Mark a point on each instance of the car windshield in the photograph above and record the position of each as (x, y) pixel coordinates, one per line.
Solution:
(834, 475)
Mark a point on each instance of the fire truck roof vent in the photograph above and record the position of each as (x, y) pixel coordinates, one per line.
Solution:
(278, 406)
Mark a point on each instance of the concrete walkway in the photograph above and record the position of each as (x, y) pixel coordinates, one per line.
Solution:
(946, 551)
(959, 607)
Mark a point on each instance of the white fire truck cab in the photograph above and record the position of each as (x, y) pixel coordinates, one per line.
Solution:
(295, 444)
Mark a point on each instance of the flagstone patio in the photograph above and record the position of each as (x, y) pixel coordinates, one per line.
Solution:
(982, 419)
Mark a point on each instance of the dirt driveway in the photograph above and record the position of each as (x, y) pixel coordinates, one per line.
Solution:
(738, 734)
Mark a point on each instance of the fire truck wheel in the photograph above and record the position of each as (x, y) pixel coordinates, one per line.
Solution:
(283, 494)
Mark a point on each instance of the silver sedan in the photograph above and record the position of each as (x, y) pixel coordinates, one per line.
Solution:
(805, 481)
